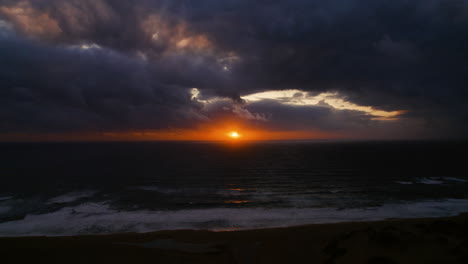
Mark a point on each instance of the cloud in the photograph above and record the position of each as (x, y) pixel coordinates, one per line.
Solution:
(69, 88)
(328, 99)
(31, 21)
(130, 65)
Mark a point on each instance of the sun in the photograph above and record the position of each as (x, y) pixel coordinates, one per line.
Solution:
(234, 134)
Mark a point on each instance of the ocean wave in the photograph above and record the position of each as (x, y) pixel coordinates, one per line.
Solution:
(4, 209)
(228, 191)
(157, 189)
(4, 198)
(433, 180)
(404, 182)
(100, 218)
(71, 197)
(454, 179)
(430, 181)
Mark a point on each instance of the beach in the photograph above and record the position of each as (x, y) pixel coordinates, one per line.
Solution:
(423, 240)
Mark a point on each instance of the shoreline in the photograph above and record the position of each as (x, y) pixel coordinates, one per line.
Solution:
(99, 219)
(412, 240)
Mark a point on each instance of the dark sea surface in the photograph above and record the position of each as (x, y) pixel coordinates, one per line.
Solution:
(89, 188)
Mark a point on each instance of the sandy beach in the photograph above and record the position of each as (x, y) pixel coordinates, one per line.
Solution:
(429, 240)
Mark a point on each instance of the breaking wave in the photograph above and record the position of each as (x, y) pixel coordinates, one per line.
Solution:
(100, 218)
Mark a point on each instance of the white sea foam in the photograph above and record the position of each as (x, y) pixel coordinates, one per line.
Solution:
(71, 197)
(99, 218)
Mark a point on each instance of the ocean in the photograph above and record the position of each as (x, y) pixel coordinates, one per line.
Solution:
(112, 187)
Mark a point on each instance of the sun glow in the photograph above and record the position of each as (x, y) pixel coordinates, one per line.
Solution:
(234, 134)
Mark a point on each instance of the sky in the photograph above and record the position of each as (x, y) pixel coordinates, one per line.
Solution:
(197, 70)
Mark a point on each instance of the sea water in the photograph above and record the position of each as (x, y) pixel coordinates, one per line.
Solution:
(100, 188)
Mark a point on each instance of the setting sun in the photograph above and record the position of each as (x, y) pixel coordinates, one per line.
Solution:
(234, 134)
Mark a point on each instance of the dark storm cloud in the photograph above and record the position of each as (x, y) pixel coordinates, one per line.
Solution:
(311, 117)
(67, 89)
(349, 123)
(391, 55)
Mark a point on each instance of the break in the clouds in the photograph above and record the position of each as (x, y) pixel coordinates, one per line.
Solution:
(360, 67)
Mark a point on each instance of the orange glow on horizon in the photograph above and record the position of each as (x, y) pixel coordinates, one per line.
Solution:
(174, 135)
(227, 131)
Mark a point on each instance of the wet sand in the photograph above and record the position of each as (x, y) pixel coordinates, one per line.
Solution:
(429, 240)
